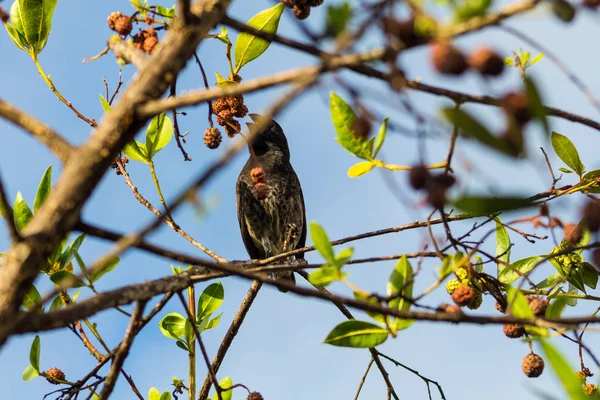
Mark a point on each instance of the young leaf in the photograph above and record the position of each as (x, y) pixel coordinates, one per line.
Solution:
(563, 371)
(355, 333)
(508, 61)
(69, 253)
(249, 47)
(380, 137)
(172, 325)
(167, 396)
(223, 36)
(478, 205)
(556, 307)
(34, 353)
(400, 282)
(43, 189)
(64, 279)
(213, 322)
(99, 273)
(323, 276)
(105, 106)
(21, 212)
(591, 176)
(377, 317)
(158, 134)
(590, 275)
(321, 242)
(136, 151)
(360, 169)
(181, 344)
(537, 58)
(566, 151)
(32, 297)
(153, 393)
(502, 244)
(337, 19)
(57, 304)
(210, 299)
(523, 266)
(32, 21)
(565, 170)
(29, 373)
(343, 257)
(226, 383)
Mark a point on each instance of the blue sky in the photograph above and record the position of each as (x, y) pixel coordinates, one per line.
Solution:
(278, 351)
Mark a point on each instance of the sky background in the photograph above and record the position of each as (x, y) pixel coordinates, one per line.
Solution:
(279, 350)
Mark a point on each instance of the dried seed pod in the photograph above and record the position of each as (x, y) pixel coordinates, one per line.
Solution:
(533, 365)
(447, 59)
(212, 138)
(486, 61)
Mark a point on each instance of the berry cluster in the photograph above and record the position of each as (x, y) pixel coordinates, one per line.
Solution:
(228, 108)
(463, 290)
(436, 186)
(301, 8)
(120, 23)
(533, 365)
(448, 59)
(255, 396)
(55, 376)
(212, 138)
(570, 260)
(260, 190)
(146, 40)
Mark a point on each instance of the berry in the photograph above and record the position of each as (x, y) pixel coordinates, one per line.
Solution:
(537, 305)
(418, 177)
(582, 376)
(4, 17)
(513, 331)
(212, 138)
(563, 10)
(123, 25)
(590, 389)
(463, 295)
(572, 233)
(258, 175)
(544, 212)
(516, 105)
(461, 273)
(260, 191)
(237, 106)
(301, 11)
(112, 19)
(486, 61)
(149, 44)
(232, 130)
(255, 396)
(54, 375)
(452, 285)
(315, 3)
(533, 365)
(476, 301)
(591, 215)
(219, 105)
(447, 59)
(500, 308)
(436, 196)
(445, 181)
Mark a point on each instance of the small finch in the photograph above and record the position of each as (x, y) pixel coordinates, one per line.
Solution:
(265, 222)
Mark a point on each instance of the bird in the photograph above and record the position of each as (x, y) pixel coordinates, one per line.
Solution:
(270, 204)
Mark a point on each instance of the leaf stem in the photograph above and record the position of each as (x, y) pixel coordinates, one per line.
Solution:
(160, 195)
(192, 346)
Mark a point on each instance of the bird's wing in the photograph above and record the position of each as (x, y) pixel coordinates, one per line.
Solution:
(302, 240)
(243, 199)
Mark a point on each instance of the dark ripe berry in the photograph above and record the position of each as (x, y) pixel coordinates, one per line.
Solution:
(257, 175)
(563, 10)
(301, 12)
(362, 127)
(544, 212)
(418, 177)
(572, 233)
(149, 44)
(537, 305)
(447, 59)
(112, 19)
(123, 25)
(486, 61)
(4, 17)
(591, 215)
(516, 105)
(212, 138)
(596, 258)
(55, 374)
(513, 331)
(533, 365)
(591, 3)
(232, 128)
(315, 3)
(289, 3)
(462, 295)
(236, 79)
(445, 181)
(436, 196)
(255, 396)
(260, 191)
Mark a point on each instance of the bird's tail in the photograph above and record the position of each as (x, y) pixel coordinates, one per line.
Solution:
(287, 278)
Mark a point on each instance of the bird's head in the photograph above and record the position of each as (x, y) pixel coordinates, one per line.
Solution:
(270, 139)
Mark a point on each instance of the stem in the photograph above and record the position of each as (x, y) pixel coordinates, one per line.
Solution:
(160, 195)
(394, 167)
(50, 84)
(192, 346)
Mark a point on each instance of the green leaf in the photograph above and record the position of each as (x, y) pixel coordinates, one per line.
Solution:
(556, 307)
(223, 36)
(566, 170)
(337, 19)
(17, 38)
(519, 305)
(590, 176)
(536, 105)
(32, 19)
(323, 276)
(566, 151)
(380, 137)
(344, 119)
(70, 251)
(158, 134)
(502, 244)
(537, 59)
(472, 128)
(43, 190)
(355, 333)
(34, 353)
(524, 266)
(29, 373)
(181, 344)
(471, 8)
(57, 304)
(360, 169)
(226, 383)
(105, 106)
(153, 393)
(321, 242)
(97, 274)
(172, 325)
(136, 151)
(343, 257)
(190, 334)
(550, 281)
(21, 212)
(64, 280)
(564, 372)
(165, 396)
(398, 283)
(210, 299)
(479, 205)
(213, 322)
(249, 47)
(590, 275)
(377, 317)
(165, 12)
(32, 297)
